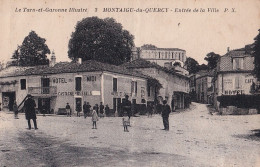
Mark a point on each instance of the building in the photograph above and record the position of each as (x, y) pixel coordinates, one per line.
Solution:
(162, 56)
(203, 87)
(55, 85)
(234, 82)
(175, 86)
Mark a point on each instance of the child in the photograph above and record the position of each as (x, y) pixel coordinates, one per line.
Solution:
(125, 123)
(94, 119)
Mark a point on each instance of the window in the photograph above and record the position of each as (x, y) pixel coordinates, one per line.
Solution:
(238, 82)
(114, 84)
(78, 83)
(149, 91)
(23, 84)
(136, 87)
(172, 55)
(159, 55)
(237, 63)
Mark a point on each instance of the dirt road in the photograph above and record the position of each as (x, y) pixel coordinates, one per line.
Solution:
(196, 138)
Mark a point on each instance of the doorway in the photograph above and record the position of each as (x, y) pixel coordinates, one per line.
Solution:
(44, 104)
(8, 100)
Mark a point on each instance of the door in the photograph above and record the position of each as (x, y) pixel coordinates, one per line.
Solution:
(78, 100)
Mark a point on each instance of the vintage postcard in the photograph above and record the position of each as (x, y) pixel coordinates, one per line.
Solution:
(130, 83)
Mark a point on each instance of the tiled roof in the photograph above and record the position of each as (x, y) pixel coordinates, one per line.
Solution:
(71, 67)
(141, 63)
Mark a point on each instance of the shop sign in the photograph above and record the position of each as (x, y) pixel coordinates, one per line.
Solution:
(79, 93)
(233, 92)
(59, 80)
(91, 78)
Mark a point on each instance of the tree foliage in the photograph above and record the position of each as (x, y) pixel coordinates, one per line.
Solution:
(203, 67)
(256, 54)
(32, 52)
(192, 65)
(103, 40)
(212, 59)
(2, 65)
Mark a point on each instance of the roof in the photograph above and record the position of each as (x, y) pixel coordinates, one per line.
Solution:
(68, 67)
(166, 49)
(204, 73)
(142, 63)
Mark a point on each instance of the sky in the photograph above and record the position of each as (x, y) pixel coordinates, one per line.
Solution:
(196, 32)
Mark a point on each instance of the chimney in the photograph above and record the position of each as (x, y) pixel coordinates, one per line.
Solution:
(227, 49)
(53, 59)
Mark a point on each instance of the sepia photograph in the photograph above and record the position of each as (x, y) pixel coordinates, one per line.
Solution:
(130, 83)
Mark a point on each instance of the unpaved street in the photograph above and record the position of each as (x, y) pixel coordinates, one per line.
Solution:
(196, 138)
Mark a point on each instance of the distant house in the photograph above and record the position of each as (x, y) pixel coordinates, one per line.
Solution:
(55, 85)
(175, 86)
(164, 57)
(234, 82)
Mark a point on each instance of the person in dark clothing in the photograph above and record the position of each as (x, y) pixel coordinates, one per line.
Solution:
(78, 109)
(150, 109)
(15, 109)
(172, 105)
(86, 109)
(101, 109)
(107, 110)
(166, 110)
(30, 113)
(68, 110)
(126, 105)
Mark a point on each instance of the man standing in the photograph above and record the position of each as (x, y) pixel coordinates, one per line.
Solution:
(166, 110)
(101, 109)
(30, 113)
(86, 109)
(68, 110)
(78, 108)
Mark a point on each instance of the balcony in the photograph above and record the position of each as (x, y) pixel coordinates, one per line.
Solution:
(43, 91)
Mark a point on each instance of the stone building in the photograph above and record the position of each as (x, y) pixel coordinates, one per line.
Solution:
(55, 85)
(162, 56)
(234, 82)
(175, 86)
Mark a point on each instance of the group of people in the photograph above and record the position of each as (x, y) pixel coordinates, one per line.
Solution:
(98, 111)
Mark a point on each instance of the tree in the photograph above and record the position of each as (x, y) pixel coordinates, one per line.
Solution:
(212, 59)
(32, 52)
(203, 67)
(192, 65)
(2, 65)
(103, 40)
(256, 54)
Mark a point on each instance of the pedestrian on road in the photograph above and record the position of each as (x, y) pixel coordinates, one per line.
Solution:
(125, 124)
(96, 108)
(30, 113)
(127, 107)
(68, 110)
(86, 109)
(107, 110)
(150, 109)
(166, 110)
(172, 105)
(15, 109)
(101, 110)
(94, 119)
(78, 108)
